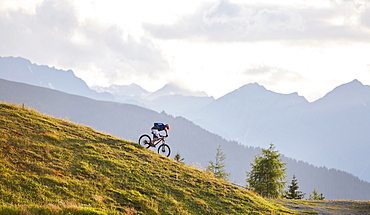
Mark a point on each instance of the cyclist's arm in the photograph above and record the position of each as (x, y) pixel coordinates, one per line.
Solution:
(164, 135)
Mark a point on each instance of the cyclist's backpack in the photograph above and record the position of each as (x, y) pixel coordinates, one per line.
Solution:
(160, 126)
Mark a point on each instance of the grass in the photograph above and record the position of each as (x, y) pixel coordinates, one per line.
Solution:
(51, 166)
(325, 207)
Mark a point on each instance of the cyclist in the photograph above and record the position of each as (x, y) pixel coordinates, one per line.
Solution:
(156, 129)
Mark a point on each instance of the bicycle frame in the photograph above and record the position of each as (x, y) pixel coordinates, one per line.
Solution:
(161, 139)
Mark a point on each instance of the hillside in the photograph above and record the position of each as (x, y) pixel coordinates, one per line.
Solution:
(195, 144)
(51, 166)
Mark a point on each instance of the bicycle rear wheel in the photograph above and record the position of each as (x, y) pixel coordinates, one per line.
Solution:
(145, 140)
(164, 150)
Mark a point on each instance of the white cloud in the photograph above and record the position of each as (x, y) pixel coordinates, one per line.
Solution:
(365, 18)
(227, 21)
(271, 74)
(54, 35)
(248, 22)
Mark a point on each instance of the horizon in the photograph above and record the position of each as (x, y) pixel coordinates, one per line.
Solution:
(182, 87)
(211, 46)
(170, 83)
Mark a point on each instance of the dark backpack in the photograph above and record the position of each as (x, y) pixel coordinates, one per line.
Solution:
(160, 126)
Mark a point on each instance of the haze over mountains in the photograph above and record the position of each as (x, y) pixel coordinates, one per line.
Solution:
(251, 113)
(165, 99)
(332, 131)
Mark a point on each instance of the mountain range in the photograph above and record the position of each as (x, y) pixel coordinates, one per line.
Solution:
(331, 132)
(195, 144)
(241, 122)
(166, 98)
(22, 70)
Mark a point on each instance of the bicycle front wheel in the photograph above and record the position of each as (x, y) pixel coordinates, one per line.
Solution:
(164, 150)
(145, 140)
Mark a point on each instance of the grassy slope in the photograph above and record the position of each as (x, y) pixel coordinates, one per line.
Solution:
(51, 166)
(326, 207)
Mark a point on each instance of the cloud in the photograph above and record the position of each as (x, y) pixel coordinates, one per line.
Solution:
(55, 35)
(227, 21)
(365, 18)
(272, 75)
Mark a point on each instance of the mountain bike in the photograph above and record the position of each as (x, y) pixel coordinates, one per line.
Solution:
(163, 148)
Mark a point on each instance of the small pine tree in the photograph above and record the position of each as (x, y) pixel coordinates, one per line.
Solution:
(178, 158)
(316, 196)
(218, 167)
(268, 173)
(292, 192)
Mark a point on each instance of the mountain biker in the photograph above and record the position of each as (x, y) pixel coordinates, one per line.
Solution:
(156, 129)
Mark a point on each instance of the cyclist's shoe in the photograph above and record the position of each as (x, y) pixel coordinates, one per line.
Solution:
(148, 143)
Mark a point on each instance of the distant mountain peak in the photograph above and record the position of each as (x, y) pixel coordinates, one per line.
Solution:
(350, 93)
(254, 86)
(354, 83)
(256, 92)
(132, 90)
(171, 89)
(177, 89)
(23, 70)
(350, 86)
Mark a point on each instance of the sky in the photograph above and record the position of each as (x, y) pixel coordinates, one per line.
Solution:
(304, 46)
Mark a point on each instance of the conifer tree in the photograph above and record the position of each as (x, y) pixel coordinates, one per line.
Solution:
(316, 196)
(178, 158)
(268, 173)
(292, 192)
(218, 167)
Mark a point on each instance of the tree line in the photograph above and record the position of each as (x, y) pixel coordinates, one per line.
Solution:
(267, 176)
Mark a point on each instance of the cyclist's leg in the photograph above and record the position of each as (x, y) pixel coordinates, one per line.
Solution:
(155, 133)
(155, 138)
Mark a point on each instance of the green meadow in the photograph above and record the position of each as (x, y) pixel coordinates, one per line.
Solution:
(52, 166)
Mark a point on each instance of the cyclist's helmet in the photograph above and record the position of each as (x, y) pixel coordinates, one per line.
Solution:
(168, 127)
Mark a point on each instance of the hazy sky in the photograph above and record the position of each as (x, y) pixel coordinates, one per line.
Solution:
(304, 46)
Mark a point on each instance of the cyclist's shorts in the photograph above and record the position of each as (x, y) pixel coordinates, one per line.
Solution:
(155, 133)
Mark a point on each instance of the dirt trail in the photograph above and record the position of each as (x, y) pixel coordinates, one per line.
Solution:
(327, 207)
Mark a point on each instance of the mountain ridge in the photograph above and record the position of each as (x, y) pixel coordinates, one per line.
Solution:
(346, 94)
(22, 70)
(334, 126)
(173, 89)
